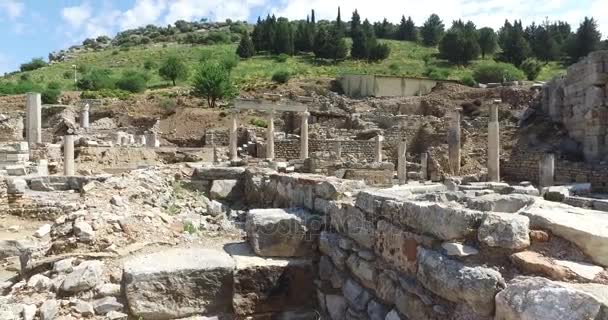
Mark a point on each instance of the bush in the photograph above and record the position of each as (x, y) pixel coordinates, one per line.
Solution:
(50, 96)
(68, 75)
(96, 80)
(496, 72)
(437, 73)
(468, 80)
(229, 61)
(379, 52)
(36, 63)
(532, 68)
(25, 77)
(54, 85)
(259, 123)
(281, 76)
(133, 81)
(282, 57)
(149, 65)
(169, 105)
(21, 87)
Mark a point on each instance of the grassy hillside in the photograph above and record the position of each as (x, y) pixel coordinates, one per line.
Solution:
(406, 59)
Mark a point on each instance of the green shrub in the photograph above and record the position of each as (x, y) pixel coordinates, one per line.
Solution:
(36, 63)
(54, 85)
(437, 73)
(282, 57)
(259, 123)
(394, 67)
(149, 65)
(532, 68)
(168, 104)
(68, 75)
(133, 81)
(190, 228)
(379, 52)
(229, 61)
(496, 72)
(21, 87)
(468, 80)
(96, 79)
(50, 96)
(25, 77)
(115, 52)
(281, 76)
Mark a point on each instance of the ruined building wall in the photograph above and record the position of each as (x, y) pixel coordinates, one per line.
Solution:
(290, 149)
(355, 85)
(579, 100)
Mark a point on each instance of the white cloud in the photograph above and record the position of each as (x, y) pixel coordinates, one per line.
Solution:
(214, 9)
(144, 12)
(76, 16)
(12, 8)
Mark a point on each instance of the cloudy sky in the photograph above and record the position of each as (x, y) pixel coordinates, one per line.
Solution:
(33, 28)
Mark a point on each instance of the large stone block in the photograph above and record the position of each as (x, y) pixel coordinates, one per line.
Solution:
(329, 245)
(359, 227)
(500, 203)
(179, 283)
(475, 286)
(541, 299)
(225, 189)
(505, 230)
(282, 232)
(218, 173)
(85, 276)
(356, 296)
(265, 285)
(363, 270)
(398, 247)
(443, 221)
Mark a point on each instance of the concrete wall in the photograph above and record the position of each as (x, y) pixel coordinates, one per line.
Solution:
(384, 86)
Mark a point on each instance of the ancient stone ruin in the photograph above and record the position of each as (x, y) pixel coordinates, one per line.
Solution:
(424, 207)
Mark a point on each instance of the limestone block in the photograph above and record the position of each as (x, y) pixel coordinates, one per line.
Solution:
(475, 286)
(356, 296)
(12, 248)
(411, 305)
(505, 230)
(443, 221)
(225, 189)
(336, 306)
(203, 278)
(282, 232)
(500, 203)
(16, 170)
(363, 270)
(87, 275)
(218, 173)
(359, 228)
(328, 245)
(398, 247)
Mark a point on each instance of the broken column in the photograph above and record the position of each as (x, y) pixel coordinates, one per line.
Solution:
(84, 117)
(401, 162)
(378, 154)
(68, 155)
(270, 137)
(494, 144)
(424, 166)
(546, 170)
(454, 143)
(152, 140)
(234, 136)
(304, 136)
(34, 119)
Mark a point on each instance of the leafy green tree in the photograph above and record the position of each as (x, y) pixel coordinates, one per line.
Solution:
(96, 79)
(212, 82)
(246, 48)
(586, 39)
(487, 41)
(532, 68)
(133, 81)
(173, 69)
(36, 63)
(460, 44)
(329, 44)
(384, 29)
(283, 41)
(432, 31)
(544, 46)
(515, 47)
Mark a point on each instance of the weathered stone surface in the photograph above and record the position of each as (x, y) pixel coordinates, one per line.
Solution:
(106, 305)
(224, 189)
(356, 296)
(218, 173)
(282, 232)
(411, 305)
(510, 231)
(29, 311)
(109, 290)
(202, 277)
(43, 231)
(328, 245)
(376, 310)
(84, 231)
(458, 249)
(64, 266)
(475, 286)
(363, 270)
(385, 289)
(336, 306)
(534, 263)
(539, 236)
(500, 203)
(264, 285)
(588, 229)
(359, 228)
(85, 276)
(84, 308)
(399, 247)
(581, 270)
(541, 299)
(392, 315)
(49, 309)
(39, 283)
(11, 248)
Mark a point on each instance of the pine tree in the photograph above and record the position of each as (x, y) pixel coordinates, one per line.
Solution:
(340, 25)
(355, 23)
(246, 48)
(257, 35)
(487, 41)
(283, 40)
(515, 47)
(302, 40)
(432, 31)
(401, 29)
(544, 45)
(411, 33)
(359, 49)
(329, 44)
(586, 39)
(460, 44)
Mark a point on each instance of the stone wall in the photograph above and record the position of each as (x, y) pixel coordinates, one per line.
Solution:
(579, 100)
(384, 86)
(290, 149)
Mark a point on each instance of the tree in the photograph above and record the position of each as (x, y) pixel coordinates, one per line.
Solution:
(355, 23)
(400, 33)
(359, 48)
(544, 46)
(212, 82)
(460, 44)
(256, 35)
(283, 40)
(384, 29)
(329, 44)
(246, 48)
(340, 28)
(36, 63)
(173, 69)
(410, 31)
(515, 47)
(532, 68)
(432, 31)
(586, 39)
(487, 41)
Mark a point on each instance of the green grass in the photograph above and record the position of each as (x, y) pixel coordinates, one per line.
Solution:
(406, 59)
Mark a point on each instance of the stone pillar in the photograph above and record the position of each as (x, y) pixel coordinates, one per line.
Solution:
(378, 154)
(234, 136)
(454, 143)
(494, 144)
(33, 119)
(152, 140)
(270, 137)
(401, 162)
(338, 150)
(68, 155)
(84, 117)
(304, 136)
(546, 170)
(424, 166)
(124, 140)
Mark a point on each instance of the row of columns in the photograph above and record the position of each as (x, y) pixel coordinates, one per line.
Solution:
(270, 154)
(401, 159)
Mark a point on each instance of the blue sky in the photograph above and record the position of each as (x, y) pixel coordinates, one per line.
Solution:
(33, 28)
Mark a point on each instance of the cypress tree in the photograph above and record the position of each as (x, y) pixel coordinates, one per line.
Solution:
(329, 44)
(246, 48)
(400, 34)
(283, 40)
(586, 39)
(355, 23)
(339, 24)
(411, 33)
(432, 31)
(257, 35)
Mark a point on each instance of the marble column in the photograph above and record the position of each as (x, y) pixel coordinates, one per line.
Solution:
(401, 162)
(234, 136)
(33, 119)
(547, 170)
(378, 153)
(424, 166)
(84, 117)
(270, 137)
(304, 136)
(68, 155)
(494, 144)
(454, 143)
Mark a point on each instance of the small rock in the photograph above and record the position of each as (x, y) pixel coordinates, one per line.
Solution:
(115, 315)
(458, 249)
(107, 304)
(43, 231)
(29, 311)
(392, 315)
(117, 201)
(109, 290)
(84, 231)
(64, 266)
(539, 236)
(49, 309)
(14, 228)
(39, 283)
(505, 230)
(84, 308)
(84, 277)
